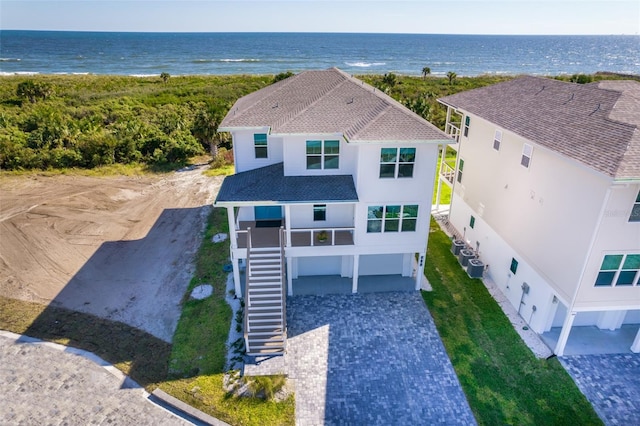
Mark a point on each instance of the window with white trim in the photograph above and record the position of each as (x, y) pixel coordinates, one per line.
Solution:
(619, 270)
(635, 210)
(460, 168)
(527, 152)
(319, 212)
(323, 154)
(467, 124)
(392, 218)
(260, 145)
(397, 162)
(497, 140)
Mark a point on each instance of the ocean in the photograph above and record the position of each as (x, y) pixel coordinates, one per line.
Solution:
(142, 54)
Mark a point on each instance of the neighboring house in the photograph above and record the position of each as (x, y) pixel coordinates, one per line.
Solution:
(333, 178)
(546, 191)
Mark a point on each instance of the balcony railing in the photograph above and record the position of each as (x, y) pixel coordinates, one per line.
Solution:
(312, 237)
(299, 237)
(453, 129)
(447, 172)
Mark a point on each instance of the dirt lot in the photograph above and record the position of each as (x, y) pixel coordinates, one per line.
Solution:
(117, 247)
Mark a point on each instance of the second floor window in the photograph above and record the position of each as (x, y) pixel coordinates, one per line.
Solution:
(260, 145)
(323, 155)
(497, 139)
(635, 210)
(460, 168)
(397, 162)
(467, 124)
(319, 212)
(527, 152)
(392, 218)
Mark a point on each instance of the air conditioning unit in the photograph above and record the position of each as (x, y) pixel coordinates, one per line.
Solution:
(456, 246)
(465, 255)
(475, 268)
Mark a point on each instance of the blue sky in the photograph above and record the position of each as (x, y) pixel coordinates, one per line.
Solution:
(404, 16)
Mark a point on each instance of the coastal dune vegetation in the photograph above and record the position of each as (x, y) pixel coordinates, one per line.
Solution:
(89, 121)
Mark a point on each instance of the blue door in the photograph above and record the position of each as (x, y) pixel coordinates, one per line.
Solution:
(268, 212)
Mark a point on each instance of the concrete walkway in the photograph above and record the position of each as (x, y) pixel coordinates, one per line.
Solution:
(46, 383)
(368, 359)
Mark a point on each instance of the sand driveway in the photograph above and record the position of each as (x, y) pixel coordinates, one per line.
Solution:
(117, 247)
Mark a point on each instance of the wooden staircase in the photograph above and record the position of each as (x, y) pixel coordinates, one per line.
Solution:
(265, 300)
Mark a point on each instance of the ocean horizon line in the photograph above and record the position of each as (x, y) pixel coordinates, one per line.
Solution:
(319, 33)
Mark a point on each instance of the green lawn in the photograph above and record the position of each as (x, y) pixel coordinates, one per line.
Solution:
(502, 379)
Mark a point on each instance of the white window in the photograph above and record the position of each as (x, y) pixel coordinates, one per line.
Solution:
(619, 270)
(397, 162)
(527, 152)
(392, 218)
(467, 124)
(260, 145)
(635, 210)
(497, 139)
(323, 154)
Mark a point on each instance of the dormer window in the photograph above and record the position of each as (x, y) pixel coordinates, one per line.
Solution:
(635, 210)
(397, 162)
(323, 155)
(260, 145)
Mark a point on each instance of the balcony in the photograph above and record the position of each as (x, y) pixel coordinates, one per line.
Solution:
(262, 236)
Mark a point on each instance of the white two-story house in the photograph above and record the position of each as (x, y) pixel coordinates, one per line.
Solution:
(546, 192)
(332, 178)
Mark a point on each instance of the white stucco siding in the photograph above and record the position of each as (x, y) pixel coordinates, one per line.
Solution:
(321, 265)
(547, 212)
(616, 235)
(338, 216)
(381, 264)
(244, 152)
(497, 254)
(295, 156)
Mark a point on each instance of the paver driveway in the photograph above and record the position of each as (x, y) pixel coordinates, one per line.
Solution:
(373, 359)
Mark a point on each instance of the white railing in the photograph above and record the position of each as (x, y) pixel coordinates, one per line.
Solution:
(321, 236)
(453, 129)
(447, 172)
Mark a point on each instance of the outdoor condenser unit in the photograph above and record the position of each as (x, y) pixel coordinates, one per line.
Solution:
(464, 256)
(475, 268)
(456, 246)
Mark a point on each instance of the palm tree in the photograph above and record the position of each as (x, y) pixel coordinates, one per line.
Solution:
(451, 76)
(425, 71)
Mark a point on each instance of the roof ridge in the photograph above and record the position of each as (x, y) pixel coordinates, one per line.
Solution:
(312, 101)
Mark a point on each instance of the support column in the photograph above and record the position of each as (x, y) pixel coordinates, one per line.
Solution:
(287, 223)
(420, 271)
(290, 276)
(356, 267)
(233, 236)
(610, 320)
(236, 276)
(564, 333)
(635, 347)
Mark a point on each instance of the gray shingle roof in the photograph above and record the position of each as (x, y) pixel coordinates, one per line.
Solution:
(330, 101)
(595, 124)
(269, 184)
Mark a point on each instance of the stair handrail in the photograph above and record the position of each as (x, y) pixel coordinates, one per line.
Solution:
(282, 288)
(246, 291)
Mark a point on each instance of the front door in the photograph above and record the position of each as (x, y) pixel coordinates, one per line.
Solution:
(268, 216)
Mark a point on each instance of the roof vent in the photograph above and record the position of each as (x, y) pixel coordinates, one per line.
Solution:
(595, 110)
(275, 106)
(570, 99)
(539, 91)
(350, 101)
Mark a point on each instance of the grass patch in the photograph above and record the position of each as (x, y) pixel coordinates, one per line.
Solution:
(502, 379)
(206, 393)
(226, 170)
